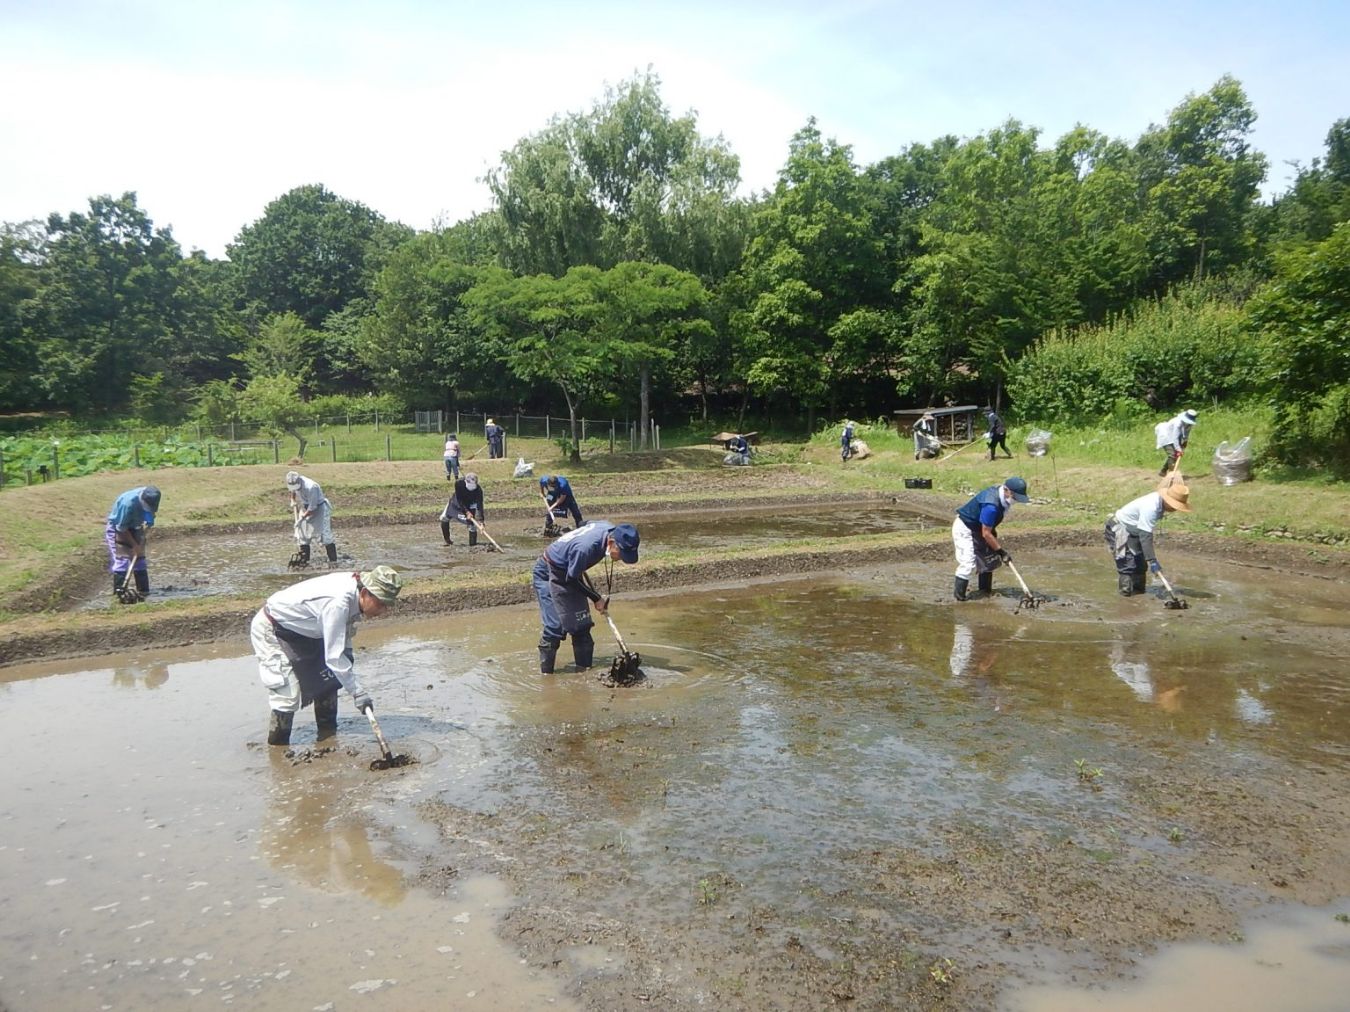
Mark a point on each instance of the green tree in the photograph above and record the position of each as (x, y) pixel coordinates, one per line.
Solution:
(1202, 180)
(815, 258)
(548, 327)
(625, 181)
(649, 314)
(312, 253)
(284, 344)
(104, 301)
(273, 403)
(1303, 317)
(19, 246)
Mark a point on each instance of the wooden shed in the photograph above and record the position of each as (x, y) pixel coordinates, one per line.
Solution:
(956, 424)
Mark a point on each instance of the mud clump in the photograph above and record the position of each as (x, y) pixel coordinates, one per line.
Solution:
(392, 763)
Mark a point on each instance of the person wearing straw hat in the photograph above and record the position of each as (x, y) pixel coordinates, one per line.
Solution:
(302, 638)
(926, 442)
(1172, 436)
(1129, 534)
(975, 534)
(313, 517)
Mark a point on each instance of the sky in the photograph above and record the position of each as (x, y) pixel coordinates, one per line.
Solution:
(210, 109)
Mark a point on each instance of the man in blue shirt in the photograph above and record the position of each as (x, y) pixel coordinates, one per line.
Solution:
(975, 534)
(132, 514)
(557, 492)
(566, 594)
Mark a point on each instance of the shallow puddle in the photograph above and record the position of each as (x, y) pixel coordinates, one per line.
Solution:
(792, 785)
(256, 561)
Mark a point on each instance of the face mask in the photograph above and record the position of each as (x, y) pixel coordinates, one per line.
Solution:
(470, 484)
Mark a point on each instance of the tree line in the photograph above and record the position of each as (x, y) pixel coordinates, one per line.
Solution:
(618, 270)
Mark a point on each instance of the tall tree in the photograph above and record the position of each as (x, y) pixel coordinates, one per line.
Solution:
(107, 281)
(548, 325)
(19, 245)
(1201, 179)
(814, 258)
(625, 181)
(649, 314)
(312, 253)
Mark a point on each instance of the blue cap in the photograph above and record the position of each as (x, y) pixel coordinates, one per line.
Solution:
(626, 537)
(1018, 488)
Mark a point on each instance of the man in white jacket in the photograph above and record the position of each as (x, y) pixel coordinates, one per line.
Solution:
(1173, 435)
(302, 638)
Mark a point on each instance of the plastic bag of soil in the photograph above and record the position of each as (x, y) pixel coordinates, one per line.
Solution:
(1233, 464)
(1038, 442)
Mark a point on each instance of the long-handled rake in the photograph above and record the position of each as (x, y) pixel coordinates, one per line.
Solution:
(1029, 600)
(625, 669)
(300, 560)
(128, 592)
(483, 531)
(388, 760)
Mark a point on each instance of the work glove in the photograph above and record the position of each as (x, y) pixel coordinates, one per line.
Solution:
(1155, 567)
(1004, 555)
(364, 704)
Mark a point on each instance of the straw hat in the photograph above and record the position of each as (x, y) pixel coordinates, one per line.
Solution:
(1176, 495)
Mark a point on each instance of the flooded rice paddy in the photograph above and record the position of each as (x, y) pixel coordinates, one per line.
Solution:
(837, 790)
(200, 565)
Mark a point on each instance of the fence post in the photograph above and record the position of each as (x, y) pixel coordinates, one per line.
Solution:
(199, 433)
(657, 429)
(231, 430)
(349, 423)
(388, 447)
(2, 470)
(316, 427)
(583, 429)
(56, 462)
(517, 423)
(210, 457)
(611, 435)
(276, 451)
(135, 454)
(377, 419)
(547, 433)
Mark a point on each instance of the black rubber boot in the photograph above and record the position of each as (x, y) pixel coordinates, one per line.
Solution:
(583, 649)
(959, 589)
(279, 730)
(304, 554)
(473, 536)
(325, 715)
(332, 554)
(986, 583)
(1125, 582)
(1140, 580)
(117, 582)
(548, 654)
(445, 532)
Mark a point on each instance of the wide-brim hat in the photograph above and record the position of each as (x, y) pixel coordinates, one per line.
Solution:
(1176, 495)
(383, 582)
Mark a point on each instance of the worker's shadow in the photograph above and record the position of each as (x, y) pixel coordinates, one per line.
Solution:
(313, 831)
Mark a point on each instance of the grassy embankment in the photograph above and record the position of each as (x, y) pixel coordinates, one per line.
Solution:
(48, 528)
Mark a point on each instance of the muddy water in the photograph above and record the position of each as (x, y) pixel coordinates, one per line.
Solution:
(256, 561)
(783, 812)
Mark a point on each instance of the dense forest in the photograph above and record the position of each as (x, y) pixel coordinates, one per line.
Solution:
(618, 270)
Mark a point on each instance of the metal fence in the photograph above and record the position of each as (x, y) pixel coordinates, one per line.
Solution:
(344, 438)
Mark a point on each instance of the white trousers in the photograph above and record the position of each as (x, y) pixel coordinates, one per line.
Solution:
(967, 561)
(274, 667)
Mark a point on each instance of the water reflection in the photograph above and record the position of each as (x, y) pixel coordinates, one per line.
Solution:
(312, 831)
(151, 676)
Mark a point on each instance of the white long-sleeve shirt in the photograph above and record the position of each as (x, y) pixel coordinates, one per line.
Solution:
(1139, 517)
(327, 608)
(1176, 431)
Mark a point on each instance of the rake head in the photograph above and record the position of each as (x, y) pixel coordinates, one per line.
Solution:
(625, 669)
(1176, 603)
(298, 561)
(129, 593)
(392, 763)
